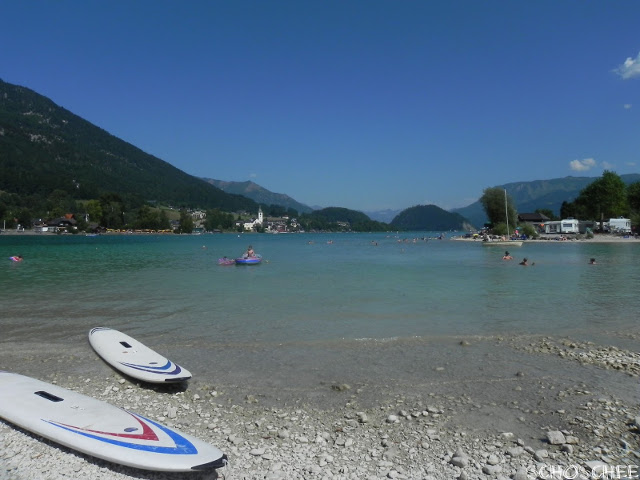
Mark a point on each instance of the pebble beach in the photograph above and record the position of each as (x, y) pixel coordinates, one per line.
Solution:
(514, 424)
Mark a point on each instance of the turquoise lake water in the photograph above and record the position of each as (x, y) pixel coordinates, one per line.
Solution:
(305, 291)
(310, 300)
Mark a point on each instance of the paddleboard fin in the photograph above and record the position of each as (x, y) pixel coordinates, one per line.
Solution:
(220, 463)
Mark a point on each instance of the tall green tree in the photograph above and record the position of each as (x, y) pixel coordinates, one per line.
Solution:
(60, 203)
(633, 196)
(24, 217)
(217, 220)
(603, 198)
(112, 211)
(572, 210)
(493, 201)
(186, 222)
(152, 219)
(94, 209)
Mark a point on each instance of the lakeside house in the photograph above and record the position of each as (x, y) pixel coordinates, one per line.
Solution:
(65, 223)
(536, 220)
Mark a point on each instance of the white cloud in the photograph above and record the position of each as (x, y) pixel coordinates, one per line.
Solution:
(253, 175)
(607, 165)
(627, 106)
(582, 165)
(630, 68)
(630, 164)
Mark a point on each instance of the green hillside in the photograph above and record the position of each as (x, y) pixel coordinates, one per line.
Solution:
(429, 218)
(341, 219)
(44, 147)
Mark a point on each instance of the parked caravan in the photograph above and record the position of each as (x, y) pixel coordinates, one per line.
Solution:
(620, 225)
(569, 225)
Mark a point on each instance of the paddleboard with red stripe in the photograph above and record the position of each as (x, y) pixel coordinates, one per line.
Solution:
(100, 429)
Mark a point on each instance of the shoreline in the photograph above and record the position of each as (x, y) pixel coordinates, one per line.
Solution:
(559, 403)
(543, 238)
(555, 238)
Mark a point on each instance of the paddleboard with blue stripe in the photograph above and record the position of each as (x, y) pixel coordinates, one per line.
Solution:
(100, 429)
(134, 359)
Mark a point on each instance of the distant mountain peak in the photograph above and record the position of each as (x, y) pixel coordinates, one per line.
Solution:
(258, 194)
(429, 218)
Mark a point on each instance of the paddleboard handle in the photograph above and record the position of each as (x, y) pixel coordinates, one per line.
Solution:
(48, 396)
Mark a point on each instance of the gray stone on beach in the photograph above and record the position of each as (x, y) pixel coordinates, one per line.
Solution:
(459, 452)
(340, 387)
(235, 440)
(540, 455)
(521, 474)
(491, 469)
(459, 461)
(556, 437)
(567, 448)
(515, 451)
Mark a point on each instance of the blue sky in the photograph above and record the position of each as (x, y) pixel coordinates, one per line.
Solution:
(361, 104)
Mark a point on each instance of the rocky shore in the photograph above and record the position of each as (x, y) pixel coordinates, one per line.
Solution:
(540, 426)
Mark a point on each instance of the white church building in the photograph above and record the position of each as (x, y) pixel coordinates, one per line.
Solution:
(249, 226)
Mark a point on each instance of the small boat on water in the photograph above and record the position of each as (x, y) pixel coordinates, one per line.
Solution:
(502, 243)
(255, 260)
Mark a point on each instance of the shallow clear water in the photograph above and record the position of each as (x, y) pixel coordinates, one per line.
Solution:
(364, 306)
(305, 291)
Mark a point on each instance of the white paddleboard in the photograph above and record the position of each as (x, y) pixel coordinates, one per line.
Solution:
(100, 429)
(132, 358)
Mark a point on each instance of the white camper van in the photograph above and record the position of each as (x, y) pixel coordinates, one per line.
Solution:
(569, 225)
(620, 225)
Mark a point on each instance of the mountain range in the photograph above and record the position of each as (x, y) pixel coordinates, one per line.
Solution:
(44, 148)
(529, 196)
(259, 194)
